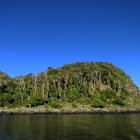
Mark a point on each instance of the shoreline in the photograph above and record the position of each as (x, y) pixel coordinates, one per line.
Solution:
(37, 110)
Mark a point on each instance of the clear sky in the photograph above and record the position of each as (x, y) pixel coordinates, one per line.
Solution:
(35, 34)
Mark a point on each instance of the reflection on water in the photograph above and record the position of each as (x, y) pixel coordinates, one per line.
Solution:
(138, 131)
(70, 127)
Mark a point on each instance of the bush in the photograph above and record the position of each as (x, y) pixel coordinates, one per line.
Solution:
(6, 98)
(73, 93)
(96, 102)
(136, 98)
(74, 105)
(109, 93)
(55, 104)
(37, 100)
(103, 98)
(52, 71)
(119, 101)
(15, 105)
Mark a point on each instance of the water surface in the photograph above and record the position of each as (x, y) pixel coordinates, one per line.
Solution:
(70, 127)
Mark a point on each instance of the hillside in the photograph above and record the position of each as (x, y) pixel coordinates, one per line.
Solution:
(74, 85)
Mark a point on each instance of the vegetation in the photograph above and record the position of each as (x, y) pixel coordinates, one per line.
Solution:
(97, 84)
(120, 101)
(96, 102)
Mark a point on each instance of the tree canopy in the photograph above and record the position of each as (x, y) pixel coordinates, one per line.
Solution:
(97, 84)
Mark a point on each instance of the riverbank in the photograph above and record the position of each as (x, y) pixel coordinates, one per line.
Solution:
(42, 110)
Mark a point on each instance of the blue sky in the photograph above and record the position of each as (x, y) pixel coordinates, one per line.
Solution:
(35, 34)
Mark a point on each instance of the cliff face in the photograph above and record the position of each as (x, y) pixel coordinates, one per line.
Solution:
(97, 84)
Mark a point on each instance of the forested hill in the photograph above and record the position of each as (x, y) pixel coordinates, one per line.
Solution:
(92, 84)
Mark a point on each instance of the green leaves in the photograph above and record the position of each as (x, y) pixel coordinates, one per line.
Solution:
(97, 84)
(55, 104)
(96, 102)
(120, 101)
(109, 93)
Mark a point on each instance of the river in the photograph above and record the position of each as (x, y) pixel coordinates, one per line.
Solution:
(70, 127)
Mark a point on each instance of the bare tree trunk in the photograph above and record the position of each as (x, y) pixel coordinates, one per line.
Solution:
(43, 89)
(35, 83)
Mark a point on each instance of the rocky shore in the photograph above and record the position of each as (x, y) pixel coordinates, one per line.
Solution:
(41, 110)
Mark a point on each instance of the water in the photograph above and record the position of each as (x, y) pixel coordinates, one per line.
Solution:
(70, 127)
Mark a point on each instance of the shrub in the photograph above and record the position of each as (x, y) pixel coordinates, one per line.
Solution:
(74, 105)
(136, 98)
(119, 101)
(15, 105)
(96, 102)
(73, 93)
(55, 104)
(37, 100)
(6, 98)
(109, 93)
(103, 98)
(52, 71)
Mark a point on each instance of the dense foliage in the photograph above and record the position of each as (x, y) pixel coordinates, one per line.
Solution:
(97, 84)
